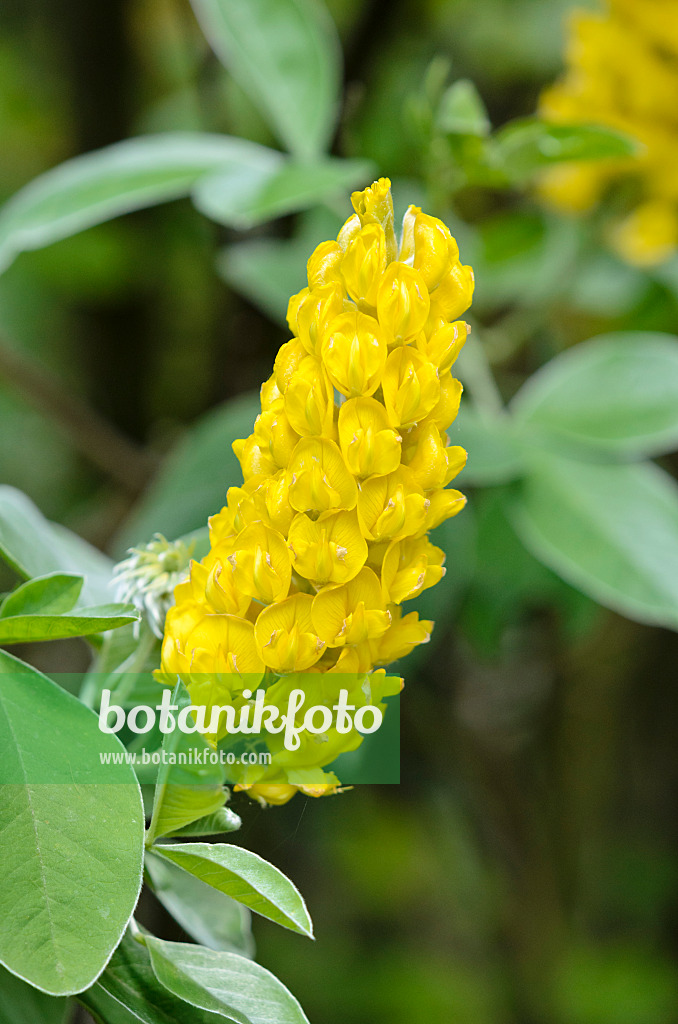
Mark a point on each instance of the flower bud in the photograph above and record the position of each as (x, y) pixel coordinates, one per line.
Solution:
(354, 353)
(402, 303)
(411, 387)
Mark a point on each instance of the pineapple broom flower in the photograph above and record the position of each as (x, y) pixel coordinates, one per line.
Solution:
(345, 473)
(622, 72)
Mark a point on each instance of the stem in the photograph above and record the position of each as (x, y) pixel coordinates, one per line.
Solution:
(93, 436)
(169, 744)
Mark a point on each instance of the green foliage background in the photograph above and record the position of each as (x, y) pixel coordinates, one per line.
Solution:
(525, 870)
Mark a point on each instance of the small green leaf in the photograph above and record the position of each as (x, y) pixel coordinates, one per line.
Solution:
(223, 983)
(293, 187)
(211, 918)
(610, 530)
(32, 546)
(70, 844)
(244, 877)
(617, 393)
(182, 805)
(461, 110)
(21, 629)
(192, 484)
(22, 1004)
(223, 820)
(129, 992)
(285, 54)
(527, 146)
(494, 455)
(127, 176)
(47, 595)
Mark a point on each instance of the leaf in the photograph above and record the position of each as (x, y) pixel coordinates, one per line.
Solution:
(193, 482)
(211, 918)
(22, 1004)
(128, 992)
(494, 455)
(617, 393)
(245, 877)
(610, 530)
(52, 594)
(223, 820)
(127, 176)
(33, 547)
(526, 146)
(285, 54)
(71, 835)
(182, 805)
(21, 629)
(293, 187)
(223, 982)
(462, 111)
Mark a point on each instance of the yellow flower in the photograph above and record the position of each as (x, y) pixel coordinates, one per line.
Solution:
(622, 72)
(370, 446)
(351, 613)
(345, 472)
(285, 637)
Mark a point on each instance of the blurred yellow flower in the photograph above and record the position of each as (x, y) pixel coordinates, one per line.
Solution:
(622, 72)
(344, 475)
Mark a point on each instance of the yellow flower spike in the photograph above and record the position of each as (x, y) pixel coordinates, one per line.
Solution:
(374, 205)
(402, 302)
(273, 431)
(323, 265)
(411, 387)
(411, 566)
(363, 265)
(428, 246)
(392, 506)
(368, 442)
(320, 478)
(344, 475)
(318, 307)
(444, 412)
(444, 343)
(309, 401)
(330, 549)
(453, 295)
(260, 564)
(285, 635)
(253, 459)
(621, 72)
(353, 350)
(432, 463)
(405, 633)
(351, 613)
